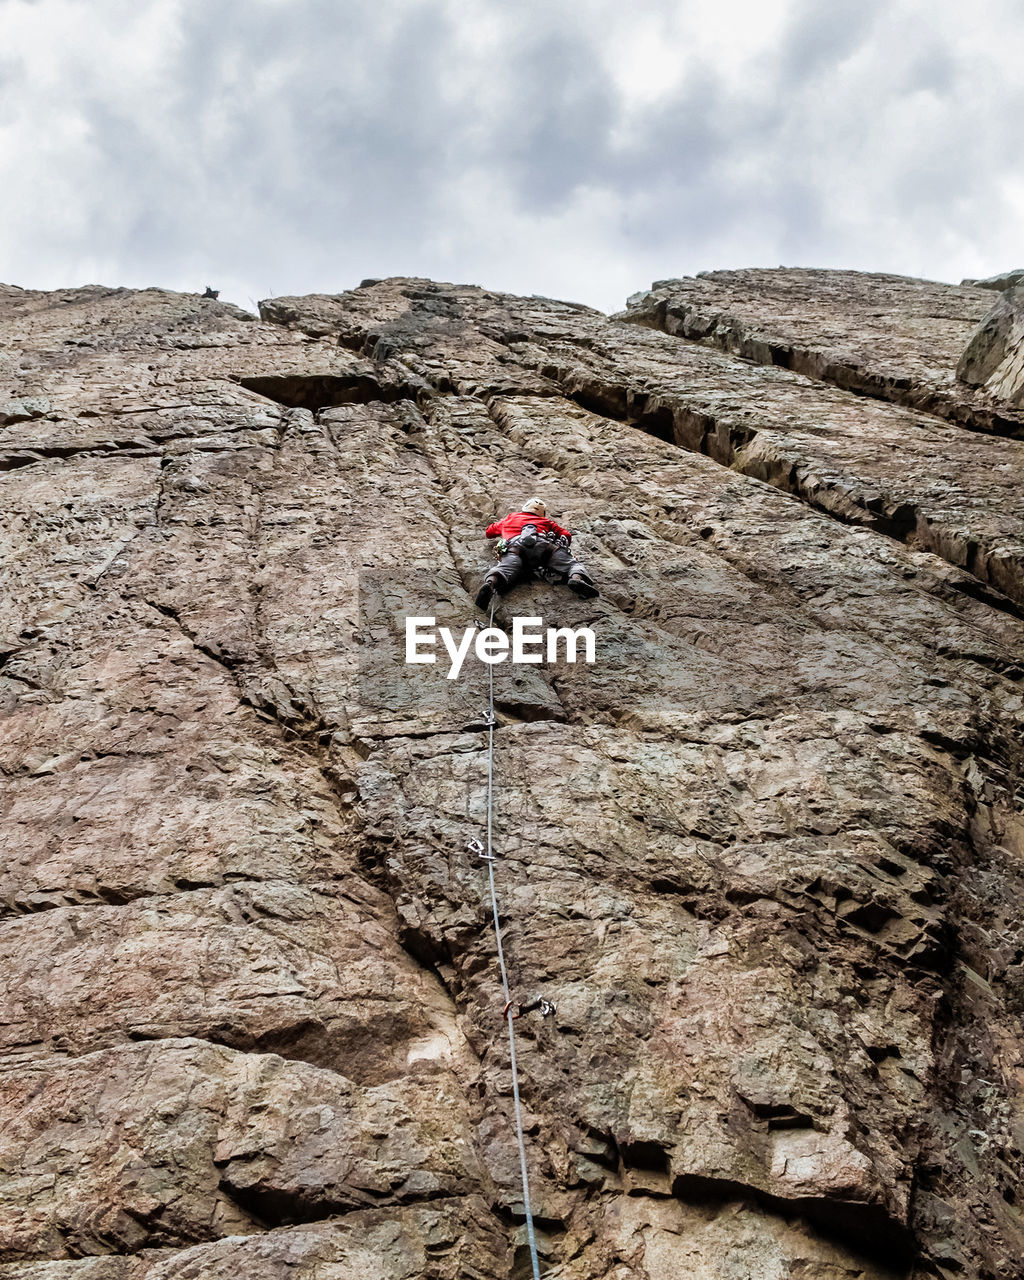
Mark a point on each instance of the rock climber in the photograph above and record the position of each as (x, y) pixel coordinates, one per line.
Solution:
(531, 543)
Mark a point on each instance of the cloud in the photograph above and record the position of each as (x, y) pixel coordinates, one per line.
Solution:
(570, 149)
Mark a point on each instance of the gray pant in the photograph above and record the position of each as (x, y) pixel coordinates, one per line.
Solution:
(545, 559)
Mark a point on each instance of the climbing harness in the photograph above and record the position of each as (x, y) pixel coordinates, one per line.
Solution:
(525, 540)
(509, 1017)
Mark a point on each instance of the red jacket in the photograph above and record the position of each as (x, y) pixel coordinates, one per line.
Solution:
(513, 525)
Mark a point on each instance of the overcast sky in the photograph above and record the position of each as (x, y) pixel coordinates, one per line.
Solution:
(574, 148)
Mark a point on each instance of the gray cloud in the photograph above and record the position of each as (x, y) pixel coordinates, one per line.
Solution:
(577, 150)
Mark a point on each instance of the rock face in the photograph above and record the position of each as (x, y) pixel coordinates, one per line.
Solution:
(764, 856)
(994, 358)
(881, 336)
(1008, 280)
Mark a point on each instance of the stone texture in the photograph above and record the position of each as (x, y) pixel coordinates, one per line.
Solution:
(182, 1141)
(994, 357)
(442, 1241)
(1008, 280)
(953, 492)
(764, 856)
(878, 335)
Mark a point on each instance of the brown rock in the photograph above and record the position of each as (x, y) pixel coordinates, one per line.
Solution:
(953, 491)
(994, 357)
(763, 857)
(170, 1143)
(446, 1240)
(877, 335)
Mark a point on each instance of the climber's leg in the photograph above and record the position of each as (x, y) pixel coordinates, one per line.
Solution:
(503, 577)
(563, 562)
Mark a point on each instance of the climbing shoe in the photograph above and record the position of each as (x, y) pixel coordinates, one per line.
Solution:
(584, 589)
(483, 596)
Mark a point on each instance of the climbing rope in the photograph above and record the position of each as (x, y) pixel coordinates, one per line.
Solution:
(488, 856)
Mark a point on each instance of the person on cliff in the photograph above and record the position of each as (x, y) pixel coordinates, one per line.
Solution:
(531, 544)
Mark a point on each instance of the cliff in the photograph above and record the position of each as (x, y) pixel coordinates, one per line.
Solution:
(765, 856)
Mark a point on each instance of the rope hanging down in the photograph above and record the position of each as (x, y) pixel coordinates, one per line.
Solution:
(488, 857)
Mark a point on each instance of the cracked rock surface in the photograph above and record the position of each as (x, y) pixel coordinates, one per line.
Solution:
(764, 856)
(883, 336)
(994, 357)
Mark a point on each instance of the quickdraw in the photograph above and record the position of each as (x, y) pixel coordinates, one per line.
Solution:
(544, 1007)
